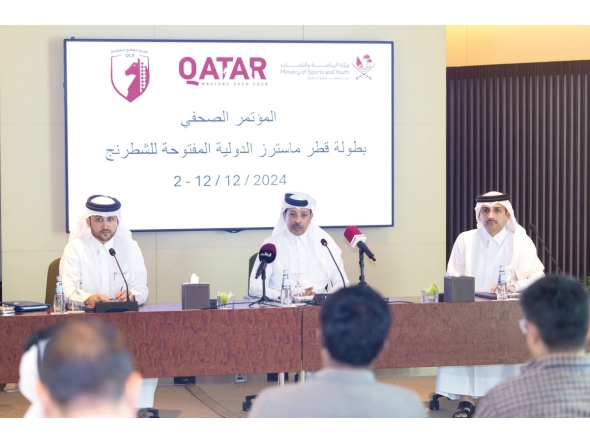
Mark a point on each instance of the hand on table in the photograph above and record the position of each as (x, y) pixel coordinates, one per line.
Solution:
(122, 296)
(94, 298)
(511, 288)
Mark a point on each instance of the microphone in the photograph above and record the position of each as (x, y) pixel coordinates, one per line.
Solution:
(266, 255)
(116, 306)
(325, 244)
(357, 239)
(533, 228)
(112, 253)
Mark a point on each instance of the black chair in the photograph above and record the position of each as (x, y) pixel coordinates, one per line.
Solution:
(251, 263)
(52, 272)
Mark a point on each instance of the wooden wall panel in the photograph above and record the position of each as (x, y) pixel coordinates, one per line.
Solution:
(523, 129)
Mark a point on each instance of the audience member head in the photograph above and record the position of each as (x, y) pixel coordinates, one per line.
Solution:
(556, 310)
(354, 322)
(86, 370)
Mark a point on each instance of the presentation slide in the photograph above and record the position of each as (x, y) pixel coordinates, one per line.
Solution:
(204, 135)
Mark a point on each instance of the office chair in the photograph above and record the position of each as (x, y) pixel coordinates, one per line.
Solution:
(251, 263)
(52, 272)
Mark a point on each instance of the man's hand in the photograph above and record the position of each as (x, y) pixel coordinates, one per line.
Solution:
(510, 288)
(122, 296)
(309, 291)
(94, 298)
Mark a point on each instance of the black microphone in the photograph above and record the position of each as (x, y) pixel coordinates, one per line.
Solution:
(356, 239)
(116, 306)
(534, 230)
(325, 244)
(112, 253)
(266, 255)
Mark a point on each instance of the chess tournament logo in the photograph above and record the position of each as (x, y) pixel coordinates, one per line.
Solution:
(130, 75)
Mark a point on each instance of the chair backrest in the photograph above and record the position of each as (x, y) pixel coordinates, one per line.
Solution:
(251, 262)
(52, 272)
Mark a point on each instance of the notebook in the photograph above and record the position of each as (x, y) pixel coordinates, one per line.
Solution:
(27, 305)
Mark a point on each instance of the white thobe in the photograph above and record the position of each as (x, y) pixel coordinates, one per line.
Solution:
(300, 254)
(480, 255)
(89, 260)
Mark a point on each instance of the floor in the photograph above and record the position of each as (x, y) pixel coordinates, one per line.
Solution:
(220, 396)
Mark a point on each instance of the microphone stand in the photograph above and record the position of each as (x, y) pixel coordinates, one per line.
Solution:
(264, 299)
(534, 230)
(362, 282)
(118, 306)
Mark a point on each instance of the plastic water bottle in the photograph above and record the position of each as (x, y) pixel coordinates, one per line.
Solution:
(59, 305)
(286, 297)
(501, 290)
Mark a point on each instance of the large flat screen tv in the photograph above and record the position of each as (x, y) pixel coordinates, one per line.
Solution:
(205, 135)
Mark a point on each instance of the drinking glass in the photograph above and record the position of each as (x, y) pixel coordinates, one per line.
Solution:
(298, 290)
(76, 302)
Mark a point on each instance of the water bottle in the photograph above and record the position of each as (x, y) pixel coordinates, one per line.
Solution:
(286, 297)
(501, 290)
(59, 305)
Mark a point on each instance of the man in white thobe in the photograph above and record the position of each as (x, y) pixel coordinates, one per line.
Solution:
(498, 240)
(298, 241)
(87, 258)
(87, 261)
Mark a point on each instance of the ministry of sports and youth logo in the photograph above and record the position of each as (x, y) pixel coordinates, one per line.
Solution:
(364, 66)
(130, 74)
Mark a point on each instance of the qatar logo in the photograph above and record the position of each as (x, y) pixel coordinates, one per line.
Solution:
(130, 75)
(364, 68)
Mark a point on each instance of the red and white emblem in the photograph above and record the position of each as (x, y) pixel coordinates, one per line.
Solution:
(130, 76)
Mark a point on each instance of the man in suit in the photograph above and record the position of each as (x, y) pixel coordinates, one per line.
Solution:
(354, 325)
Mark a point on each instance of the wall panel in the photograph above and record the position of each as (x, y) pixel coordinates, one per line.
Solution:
(523, 129)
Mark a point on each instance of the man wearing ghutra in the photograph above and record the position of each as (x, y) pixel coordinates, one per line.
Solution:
(86, 256)
(299, 249)
(498, 240)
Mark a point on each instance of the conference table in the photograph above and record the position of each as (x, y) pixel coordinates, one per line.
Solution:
(167, 341)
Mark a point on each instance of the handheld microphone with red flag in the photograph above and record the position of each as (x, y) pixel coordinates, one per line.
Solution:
(267, 255)
(357, 239)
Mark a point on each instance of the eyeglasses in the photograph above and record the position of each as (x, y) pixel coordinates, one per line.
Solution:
(522, 323)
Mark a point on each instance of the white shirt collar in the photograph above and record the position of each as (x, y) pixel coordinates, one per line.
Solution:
(303, 239)
(498, 238)
(96, 244)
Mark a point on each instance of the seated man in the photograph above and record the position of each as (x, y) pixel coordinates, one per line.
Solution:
(498, 240)
(354, 325)
(86, 371)
(556, 382)
(86, 256)
(299, 249)
(87, 259)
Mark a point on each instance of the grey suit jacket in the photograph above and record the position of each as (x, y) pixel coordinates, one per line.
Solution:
(338, 393)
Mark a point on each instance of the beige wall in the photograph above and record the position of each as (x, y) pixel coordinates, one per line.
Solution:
(409, 255)
(491, 45)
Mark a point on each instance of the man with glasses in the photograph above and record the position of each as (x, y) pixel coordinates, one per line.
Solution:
(556, 382)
